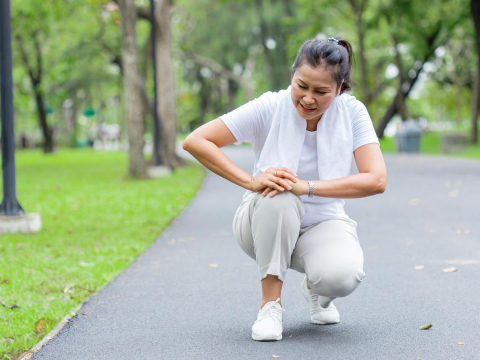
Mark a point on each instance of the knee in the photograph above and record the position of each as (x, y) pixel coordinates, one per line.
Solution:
(336, 283)
(284, 202)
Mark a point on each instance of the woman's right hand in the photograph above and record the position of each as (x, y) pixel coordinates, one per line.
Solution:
(274, 178)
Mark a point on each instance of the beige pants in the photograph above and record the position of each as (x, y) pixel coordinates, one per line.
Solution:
(329, 253)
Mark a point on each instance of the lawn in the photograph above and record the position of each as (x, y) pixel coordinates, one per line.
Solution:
(95, 223)
(430, 144)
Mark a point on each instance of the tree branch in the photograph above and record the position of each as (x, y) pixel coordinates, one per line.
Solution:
(38, 51)
(143, 13)
(218, 69)
(26, 61)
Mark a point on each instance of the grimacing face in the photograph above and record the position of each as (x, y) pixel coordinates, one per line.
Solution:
(313, 90)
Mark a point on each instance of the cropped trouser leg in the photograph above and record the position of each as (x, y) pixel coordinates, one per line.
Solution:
(329, 253)
(267, 228)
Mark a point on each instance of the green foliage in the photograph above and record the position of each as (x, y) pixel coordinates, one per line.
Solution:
(80, 42)
(75, 63)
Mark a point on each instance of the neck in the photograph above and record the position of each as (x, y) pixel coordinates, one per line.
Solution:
(312, 124)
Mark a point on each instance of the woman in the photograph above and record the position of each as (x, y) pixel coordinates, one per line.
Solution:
(304, 139)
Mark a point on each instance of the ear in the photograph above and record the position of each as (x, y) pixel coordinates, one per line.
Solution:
(340, 87)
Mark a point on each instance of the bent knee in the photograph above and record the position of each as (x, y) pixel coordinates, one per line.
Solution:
(280, 203)
(336, 284)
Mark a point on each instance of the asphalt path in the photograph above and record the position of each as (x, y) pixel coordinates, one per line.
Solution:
(194, 294)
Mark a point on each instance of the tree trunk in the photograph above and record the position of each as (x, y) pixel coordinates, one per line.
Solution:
(204, 95)
(232, 91)
(459, 104)
(269, 60)
(393, 108)
(166, 86)
(475, 6)
(132, 83)
(35, 76)
(42, 117)
(358, 10)
(475, 104)
(401, 106)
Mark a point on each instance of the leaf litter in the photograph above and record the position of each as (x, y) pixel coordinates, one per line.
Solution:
(426, 327)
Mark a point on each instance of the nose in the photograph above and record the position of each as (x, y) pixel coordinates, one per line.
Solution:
(308, 100)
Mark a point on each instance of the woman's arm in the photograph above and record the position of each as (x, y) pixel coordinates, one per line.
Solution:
(371, 180)
(204, 144)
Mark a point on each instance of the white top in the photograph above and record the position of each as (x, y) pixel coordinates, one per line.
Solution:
(252, 122)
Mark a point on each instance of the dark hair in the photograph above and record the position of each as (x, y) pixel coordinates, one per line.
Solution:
(334, 54)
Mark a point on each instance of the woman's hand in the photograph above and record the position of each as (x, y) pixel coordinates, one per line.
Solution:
(278, 179)
(299, 188)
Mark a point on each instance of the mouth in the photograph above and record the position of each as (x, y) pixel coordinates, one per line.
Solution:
(307, 110)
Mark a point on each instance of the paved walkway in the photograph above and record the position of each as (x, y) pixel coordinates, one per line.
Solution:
(195, 295)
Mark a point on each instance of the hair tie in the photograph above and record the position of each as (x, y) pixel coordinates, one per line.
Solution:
(333, 39)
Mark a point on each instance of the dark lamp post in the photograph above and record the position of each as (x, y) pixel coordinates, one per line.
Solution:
(156, 121)
(9, 205)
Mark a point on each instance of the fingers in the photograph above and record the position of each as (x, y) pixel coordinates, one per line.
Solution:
(285, 173)
(280, 184)
(266, 191)
(283, 180)
(270, 191)
(273, 193)
(288, 171)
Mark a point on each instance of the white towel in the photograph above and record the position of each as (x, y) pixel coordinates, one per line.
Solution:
(286, 136)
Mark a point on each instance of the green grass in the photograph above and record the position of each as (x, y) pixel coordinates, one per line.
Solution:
(430, 144)
(95, 223)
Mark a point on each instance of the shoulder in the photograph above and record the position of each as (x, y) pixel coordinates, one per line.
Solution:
(271, 97)
(352, 103)
(270, 100)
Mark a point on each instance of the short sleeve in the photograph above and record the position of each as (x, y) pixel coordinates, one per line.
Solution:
(362, 126)
(246, 121)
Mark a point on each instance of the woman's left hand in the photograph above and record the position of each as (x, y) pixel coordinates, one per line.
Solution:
(299, 188)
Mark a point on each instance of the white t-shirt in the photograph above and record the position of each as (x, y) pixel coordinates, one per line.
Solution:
(251, 123)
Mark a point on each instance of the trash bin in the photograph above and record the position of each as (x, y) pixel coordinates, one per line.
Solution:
(408, 138)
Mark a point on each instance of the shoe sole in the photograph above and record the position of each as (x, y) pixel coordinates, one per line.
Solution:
(324, 322)
(266, 338)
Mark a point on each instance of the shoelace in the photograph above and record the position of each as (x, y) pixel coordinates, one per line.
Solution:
(314, 298)
(272, 311)
(318, 308)
(312, 295)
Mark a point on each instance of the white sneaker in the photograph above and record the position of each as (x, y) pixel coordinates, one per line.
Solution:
(318, 314)
(268, 325)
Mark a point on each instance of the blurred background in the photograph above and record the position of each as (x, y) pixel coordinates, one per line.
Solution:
(412, 63)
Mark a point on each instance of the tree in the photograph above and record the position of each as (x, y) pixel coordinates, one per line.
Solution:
(421, 29)
(30, 42)
(475, 8)
(133, 87)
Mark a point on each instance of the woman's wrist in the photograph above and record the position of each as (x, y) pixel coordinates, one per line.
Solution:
(305, 187)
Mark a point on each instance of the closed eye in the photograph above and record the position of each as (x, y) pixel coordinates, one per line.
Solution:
(304, 87)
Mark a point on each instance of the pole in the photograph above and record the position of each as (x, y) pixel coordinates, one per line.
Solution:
(9, 205)
(156, 120)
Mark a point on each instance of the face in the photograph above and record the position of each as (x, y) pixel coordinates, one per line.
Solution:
(313, 90)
